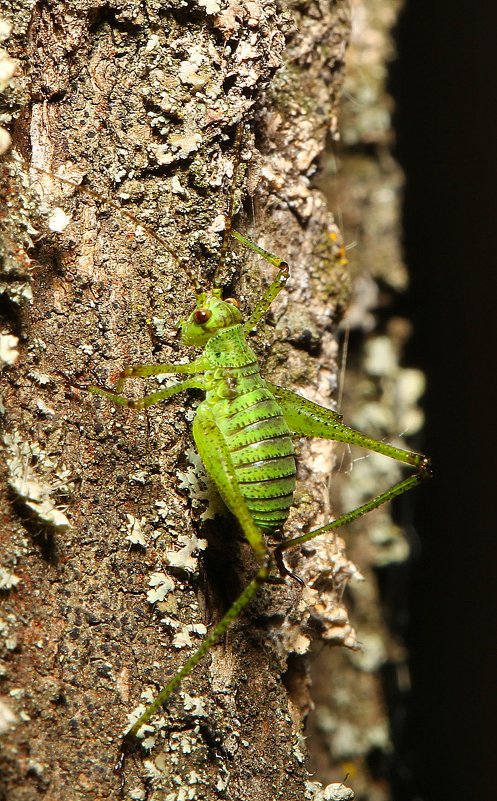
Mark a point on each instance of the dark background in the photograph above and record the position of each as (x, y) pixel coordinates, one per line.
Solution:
(445, 85)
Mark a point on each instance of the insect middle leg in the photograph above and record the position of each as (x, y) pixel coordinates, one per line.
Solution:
(196, 382)
(145, 371)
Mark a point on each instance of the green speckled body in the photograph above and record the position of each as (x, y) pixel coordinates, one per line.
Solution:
(253, 428)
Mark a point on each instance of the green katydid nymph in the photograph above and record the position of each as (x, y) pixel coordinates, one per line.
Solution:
(243, 431)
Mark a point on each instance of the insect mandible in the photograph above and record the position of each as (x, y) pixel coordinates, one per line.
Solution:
(243, 431)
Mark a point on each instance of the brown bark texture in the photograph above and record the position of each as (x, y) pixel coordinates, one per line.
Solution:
(107, 581)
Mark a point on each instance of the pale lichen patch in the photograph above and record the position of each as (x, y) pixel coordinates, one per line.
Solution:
(184, 558)
(7, 718)
(189, 72)
(8, 579)
(58, 220)
(200, 487)
(180, 146)
(182, 638)
(135, 534)
(211, 6)
(8, 349)
(162, 510)
(153, 42)
(314, 791)
(139, 477)
(39, 378)
(223, 778)
(137, 794)
(35, 477)
(194, 705)
(9, 640)
(8, 68)
(133, 716)
(372, 655)
(162, 585)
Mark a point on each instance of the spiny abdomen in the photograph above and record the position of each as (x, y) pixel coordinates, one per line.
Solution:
(262, 453)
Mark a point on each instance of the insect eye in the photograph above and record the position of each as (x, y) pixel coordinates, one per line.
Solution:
(201, 316)
(233, 301)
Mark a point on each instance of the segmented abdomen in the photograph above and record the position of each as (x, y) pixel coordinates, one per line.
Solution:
(262, 453)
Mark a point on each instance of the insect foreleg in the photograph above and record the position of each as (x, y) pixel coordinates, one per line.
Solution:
(148, 400)
(146, 370)
(219, 465)
(308, 419)
(273, 289)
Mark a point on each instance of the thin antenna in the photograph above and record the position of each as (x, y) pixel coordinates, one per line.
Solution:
(228, 217)
(343, 367)
(104, 199)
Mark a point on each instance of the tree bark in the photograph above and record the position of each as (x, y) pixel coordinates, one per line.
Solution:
(141, 101)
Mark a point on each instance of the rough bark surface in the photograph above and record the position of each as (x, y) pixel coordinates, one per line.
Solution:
(140, 100)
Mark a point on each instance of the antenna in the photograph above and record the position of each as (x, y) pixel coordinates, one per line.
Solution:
(228, 217)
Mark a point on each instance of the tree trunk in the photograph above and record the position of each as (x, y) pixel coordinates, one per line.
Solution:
(141, 102)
